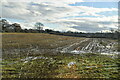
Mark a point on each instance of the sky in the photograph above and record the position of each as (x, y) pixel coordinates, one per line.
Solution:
(63, 15)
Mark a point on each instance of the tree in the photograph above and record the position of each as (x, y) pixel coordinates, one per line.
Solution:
(48, 30)
(39, 25)
(112, 30)
(3, 24)
(17, 27)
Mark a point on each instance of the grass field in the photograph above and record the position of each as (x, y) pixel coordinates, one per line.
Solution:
(26, 40)
(34, 55)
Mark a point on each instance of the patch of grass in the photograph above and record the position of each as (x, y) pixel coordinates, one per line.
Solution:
(92, 66)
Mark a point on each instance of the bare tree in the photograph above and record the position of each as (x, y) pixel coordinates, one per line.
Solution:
(112, 30)
(39, 25)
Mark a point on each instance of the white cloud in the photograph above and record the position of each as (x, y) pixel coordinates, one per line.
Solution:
(52, 11)
(104, 31)
(68, 1)
(59, 1)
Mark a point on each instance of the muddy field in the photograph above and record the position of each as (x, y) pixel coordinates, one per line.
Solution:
(93, 45)
(34, 55)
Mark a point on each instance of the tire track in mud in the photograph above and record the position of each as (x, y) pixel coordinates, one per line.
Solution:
(92, 45)
(78, 46)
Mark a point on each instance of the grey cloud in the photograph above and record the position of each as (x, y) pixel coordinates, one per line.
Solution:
(47, 13)
(88, 28)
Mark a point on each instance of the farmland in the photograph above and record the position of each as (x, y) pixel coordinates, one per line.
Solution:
(39, 55)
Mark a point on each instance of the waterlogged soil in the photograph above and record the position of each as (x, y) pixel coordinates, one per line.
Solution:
(94, 45)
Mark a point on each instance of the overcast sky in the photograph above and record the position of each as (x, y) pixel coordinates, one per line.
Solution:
(63, 15)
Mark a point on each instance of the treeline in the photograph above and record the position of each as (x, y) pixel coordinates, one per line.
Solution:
(5, 26)
(15, 27)
(91, 35)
